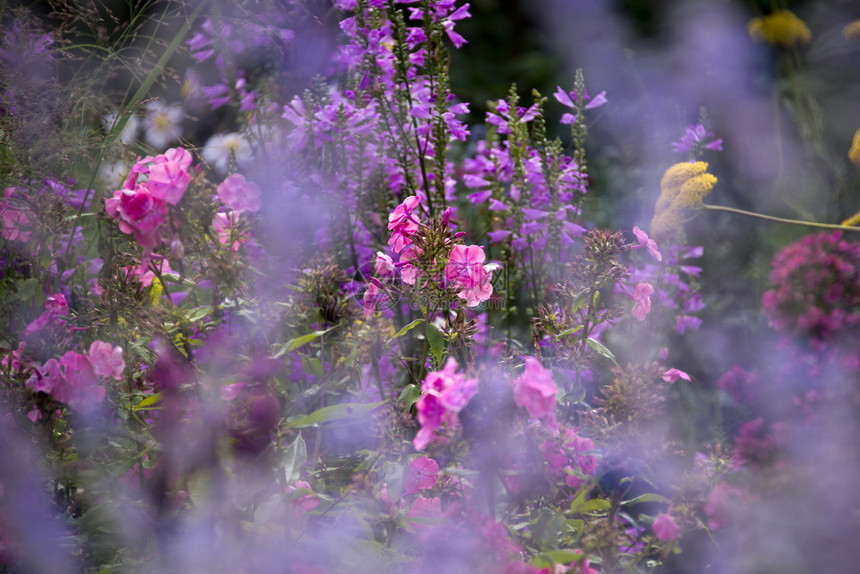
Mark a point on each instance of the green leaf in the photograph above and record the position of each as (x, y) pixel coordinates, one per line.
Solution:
(346, 412)
(647, 497)
(27, 289)
(563, 556)
(595, 505)
(148, 402)
(294, 344)
(597, 347)
(436, 341)
(406, 329)
(409, 395)
(198, 313)
(567, 332)
(295, 458)
(312, 366)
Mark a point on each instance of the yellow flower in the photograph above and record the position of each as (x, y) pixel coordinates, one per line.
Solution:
(852, 30)
(854, 152)
(683, 187)
(780, 28)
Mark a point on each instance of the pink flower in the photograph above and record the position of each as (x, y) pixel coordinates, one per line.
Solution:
(15, 220)
(223, 224)
(535, 390)
(642, 295)
(445, 393)
(408, 273)
(138, 212)
(231, 391)
(466, 269)
(304, 503)
(403, 223)
(79, 387)
(238, 194)
(645, 241)
(384, 264)
(422, 475)
(57, 304)
(168, 175)
(673, 375)
(106, 360)
(665, 527)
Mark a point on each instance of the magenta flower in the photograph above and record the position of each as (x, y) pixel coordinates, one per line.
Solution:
(138, 212)
(223, 224)
(106, 360)
(168, 175)
(57, 304)
(665, 527)
(422, 475)
(696, 139)
(403, 223)
(642, 295)
(673, 375)
(444, 394)
(383, 264)
(79, 386)
(645, 241)
(535, 390)
(238, 194)
(466, 269)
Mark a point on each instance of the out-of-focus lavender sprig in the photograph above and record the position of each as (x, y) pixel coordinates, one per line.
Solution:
(696, 140)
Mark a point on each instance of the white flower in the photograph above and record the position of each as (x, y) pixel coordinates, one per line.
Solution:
(112, 175)
(221, 148)
(129, 132)
(163, 124)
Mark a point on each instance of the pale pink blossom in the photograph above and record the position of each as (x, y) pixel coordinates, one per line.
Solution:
(168, 175)
(384, 264)
(650, 244)
(238, 194)
(536, 391)
(674, 374)
(106, 360)
(642, 295)
(403, 223)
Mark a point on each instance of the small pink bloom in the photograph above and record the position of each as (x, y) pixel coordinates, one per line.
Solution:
(80, 388)
(408, 273)
(304, 503)
(666, 528)
(371, 296)
(168, 175)
(238, 194)
(106, 360)
(466, 266)
(535, 390)
(403, 223)
(645, 241)
(231, 391)
(384, 264)
(57, 304)
(422, 475)
(223, 224)
(642, 295)
(674, 374)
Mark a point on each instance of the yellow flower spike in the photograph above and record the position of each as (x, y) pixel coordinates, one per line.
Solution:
(155, 291)
(852, 30)
(781, 28)
(852, 221)
(854, 152)
(674, 178)
(695, 190)
(666, 224)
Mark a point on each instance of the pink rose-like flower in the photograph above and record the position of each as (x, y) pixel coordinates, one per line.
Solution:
(422, 475)
(139, 213)
(106, 360)
(238, 194)
(642, 295)
(674, 374)
(666, 528)
(535, 390)
(168, 175)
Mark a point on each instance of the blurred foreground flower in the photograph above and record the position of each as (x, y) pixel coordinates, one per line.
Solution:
(781, 28)
(852, 30)
(854, 152)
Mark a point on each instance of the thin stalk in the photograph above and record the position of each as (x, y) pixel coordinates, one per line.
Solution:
(780, 219)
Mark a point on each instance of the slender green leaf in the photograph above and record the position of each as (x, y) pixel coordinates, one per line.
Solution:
(294, 344)
(409, 395)
(598, 347)
(346, 412)
(295, 458)
(148, 402)
(436, 341)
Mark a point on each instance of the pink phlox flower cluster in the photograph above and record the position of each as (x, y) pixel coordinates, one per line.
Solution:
(572, 457)
(422, 474)
(568, 100)
(140, 207)
(76, 379)
(238, 194)
(535, 390)
(444, 394)
(466, 269)
(757, 445)
(55, 308)
(696, 139)
(666, 528)
(816, 289)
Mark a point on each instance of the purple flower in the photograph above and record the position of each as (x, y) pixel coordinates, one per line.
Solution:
(697, 139)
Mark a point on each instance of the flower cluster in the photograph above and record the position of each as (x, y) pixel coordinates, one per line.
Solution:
(781, 28)
(695, 140)
(816, 288)
(444, 394)
(140, 207)
(683, 187)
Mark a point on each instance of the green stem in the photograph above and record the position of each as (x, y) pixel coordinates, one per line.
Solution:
(780, 219)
